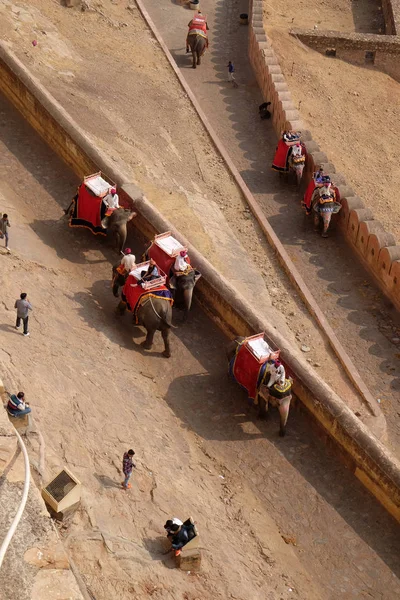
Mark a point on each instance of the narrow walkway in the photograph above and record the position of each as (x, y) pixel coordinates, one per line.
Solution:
(361, 318)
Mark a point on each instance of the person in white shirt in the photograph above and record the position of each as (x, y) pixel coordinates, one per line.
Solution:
(128, 261)
(181, 264)
(112, 199)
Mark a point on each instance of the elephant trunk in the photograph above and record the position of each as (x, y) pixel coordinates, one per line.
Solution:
(187, 300)
(283, 408)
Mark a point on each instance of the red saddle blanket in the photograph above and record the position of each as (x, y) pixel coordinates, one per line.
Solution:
(247, 371)
(89, 210)
(280, 162)
(163, 260)
(135, 295)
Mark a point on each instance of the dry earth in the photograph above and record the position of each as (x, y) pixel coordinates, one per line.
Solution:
(351, 110)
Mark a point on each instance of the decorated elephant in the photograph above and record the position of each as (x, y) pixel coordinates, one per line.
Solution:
(270, 385)
(154, 314)
(325, 202)
(297, 161)
(182, 285)
(290, 155)
(99, 222)
(117, 225)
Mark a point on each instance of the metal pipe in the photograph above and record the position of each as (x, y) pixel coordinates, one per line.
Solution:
(17, 518)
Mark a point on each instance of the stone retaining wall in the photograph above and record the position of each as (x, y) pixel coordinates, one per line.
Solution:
(375, 247)
(372, 51)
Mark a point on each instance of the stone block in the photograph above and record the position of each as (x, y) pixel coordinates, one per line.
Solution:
(356, 216)
(376, 241)
(387, 256)
(366, 228)
(189, 560)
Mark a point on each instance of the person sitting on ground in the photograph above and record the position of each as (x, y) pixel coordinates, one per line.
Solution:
(17, 405)
(112, 199)
(263, 110)
(179, 538)
(151, 273)
(128, 262)
(169, 523)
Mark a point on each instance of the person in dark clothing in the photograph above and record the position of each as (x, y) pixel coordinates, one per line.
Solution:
(150, 274)
(23, 307)
(17, 405)
(127, 468)
(180, 536)
(263, 110)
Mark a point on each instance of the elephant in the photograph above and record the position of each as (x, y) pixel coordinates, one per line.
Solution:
(182, 286)
(154, 314)
(323, 211)
(117, 225)
(266, 395)
(296, 163)
(198, 45)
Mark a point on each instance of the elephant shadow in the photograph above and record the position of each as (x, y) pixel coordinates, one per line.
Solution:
(216, 408)
(72, 244)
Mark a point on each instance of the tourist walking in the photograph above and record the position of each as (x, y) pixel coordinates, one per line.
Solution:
(4, 225)
(127, 467)
(23, 307)
(231, 74)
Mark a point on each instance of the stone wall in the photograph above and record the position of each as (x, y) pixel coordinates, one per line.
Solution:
(373, 51)
(375, 247)
(391, 15)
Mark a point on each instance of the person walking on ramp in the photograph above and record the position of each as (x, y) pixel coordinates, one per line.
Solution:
(231, 74)
(23, 307)
(127, 467)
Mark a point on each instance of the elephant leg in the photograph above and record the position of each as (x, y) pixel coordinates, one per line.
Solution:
(262, 408)
(167, 346)
(148, 342)
(121, 308)
(284, 413)
(316, 221)
(199, 57)
(67, 210)
(194, 59)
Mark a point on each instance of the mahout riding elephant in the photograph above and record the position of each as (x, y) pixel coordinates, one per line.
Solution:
(154, 314)
(198, 45)
(279, 397)
(115, 224)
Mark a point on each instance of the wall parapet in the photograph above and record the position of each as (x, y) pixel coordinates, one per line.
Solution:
(376, 248)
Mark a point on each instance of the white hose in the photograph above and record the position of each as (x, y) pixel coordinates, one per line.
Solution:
(16, 520)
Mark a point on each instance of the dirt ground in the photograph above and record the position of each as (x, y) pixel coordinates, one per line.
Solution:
(272, 514)
(351, 110)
